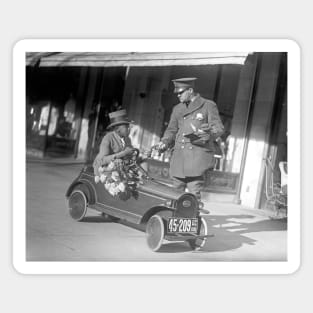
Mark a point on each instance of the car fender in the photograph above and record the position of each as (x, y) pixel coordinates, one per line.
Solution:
(153, 211)
(84, 186)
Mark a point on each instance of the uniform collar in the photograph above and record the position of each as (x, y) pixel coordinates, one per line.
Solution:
(196, 95)
(194, 105)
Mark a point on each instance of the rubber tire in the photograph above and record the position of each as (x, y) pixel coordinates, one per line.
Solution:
(77, 204)
(155, 232)
(197, 244)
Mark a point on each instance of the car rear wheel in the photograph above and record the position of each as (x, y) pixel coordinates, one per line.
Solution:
(198, 243)
(155, 232)
(77, 205)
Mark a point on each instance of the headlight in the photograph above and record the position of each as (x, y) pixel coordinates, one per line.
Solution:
(186, 206)
(186, 203)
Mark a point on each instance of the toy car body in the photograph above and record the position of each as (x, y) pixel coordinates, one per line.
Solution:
(167, 213)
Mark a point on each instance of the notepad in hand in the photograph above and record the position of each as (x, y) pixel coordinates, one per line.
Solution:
(192, 136)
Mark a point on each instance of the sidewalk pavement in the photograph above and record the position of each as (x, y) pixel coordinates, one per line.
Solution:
(238, 209)
(54, 160)
(207, 203)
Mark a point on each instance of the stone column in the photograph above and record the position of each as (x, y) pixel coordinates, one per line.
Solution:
(83, 138)
(260, 127)
(240, 116)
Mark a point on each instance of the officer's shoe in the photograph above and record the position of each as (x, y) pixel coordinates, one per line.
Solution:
(202, 210)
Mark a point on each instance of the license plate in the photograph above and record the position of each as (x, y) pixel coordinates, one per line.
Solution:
(182, 225)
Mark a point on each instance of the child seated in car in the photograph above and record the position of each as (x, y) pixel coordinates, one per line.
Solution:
(115, 144)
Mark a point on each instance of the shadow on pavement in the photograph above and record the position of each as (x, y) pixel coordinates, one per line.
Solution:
(174, 247)
(230, 231)
(228, 221)
(96, 219)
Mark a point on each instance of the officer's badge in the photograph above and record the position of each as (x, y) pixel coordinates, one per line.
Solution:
(199, 117)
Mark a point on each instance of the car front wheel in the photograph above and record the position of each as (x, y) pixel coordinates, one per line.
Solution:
(155, 232)
(198, 243)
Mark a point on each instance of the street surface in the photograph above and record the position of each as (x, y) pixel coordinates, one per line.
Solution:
(240, 234)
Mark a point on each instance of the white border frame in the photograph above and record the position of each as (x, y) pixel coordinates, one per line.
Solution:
(155, 45)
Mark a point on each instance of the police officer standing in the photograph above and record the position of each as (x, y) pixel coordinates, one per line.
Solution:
(194, 125)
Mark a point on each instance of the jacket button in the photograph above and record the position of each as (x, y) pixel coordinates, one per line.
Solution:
(184, 117)
(190, 148)
(182, 147)
(183, 140)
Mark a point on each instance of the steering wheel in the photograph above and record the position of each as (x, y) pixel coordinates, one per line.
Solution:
(135, 155)
(132, 156)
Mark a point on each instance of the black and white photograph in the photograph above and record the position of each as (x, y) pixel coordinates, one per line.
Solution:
(143, 156)
(156, 156)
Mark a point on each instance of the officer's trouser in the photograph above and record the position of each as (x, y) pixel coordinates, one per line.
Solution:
(193, 184)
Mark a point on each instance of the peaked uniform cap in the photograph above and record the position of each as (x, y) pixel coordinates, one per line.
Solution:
(118, 118)
(182, 84)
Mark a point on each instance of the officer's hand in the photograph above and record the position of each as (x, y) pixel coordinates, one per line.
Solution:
(204, 128)
(161, 147)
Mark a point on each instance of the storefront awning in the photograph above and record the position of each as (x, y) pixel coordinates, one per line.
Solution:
(104, 59)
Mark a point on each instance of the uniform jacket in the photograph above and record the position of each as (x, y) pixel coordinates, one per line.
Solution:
(189, 158)
(111, 143)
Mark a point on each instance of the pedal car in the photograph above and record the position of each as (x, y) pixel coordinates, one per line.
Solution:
(125, 191)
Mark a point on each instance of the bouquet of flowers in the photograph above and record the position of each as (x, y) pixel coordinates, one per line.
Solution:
(119, 178)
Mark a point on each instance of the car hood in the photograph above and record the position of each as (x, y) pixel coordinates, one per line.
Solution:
(159, 189)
